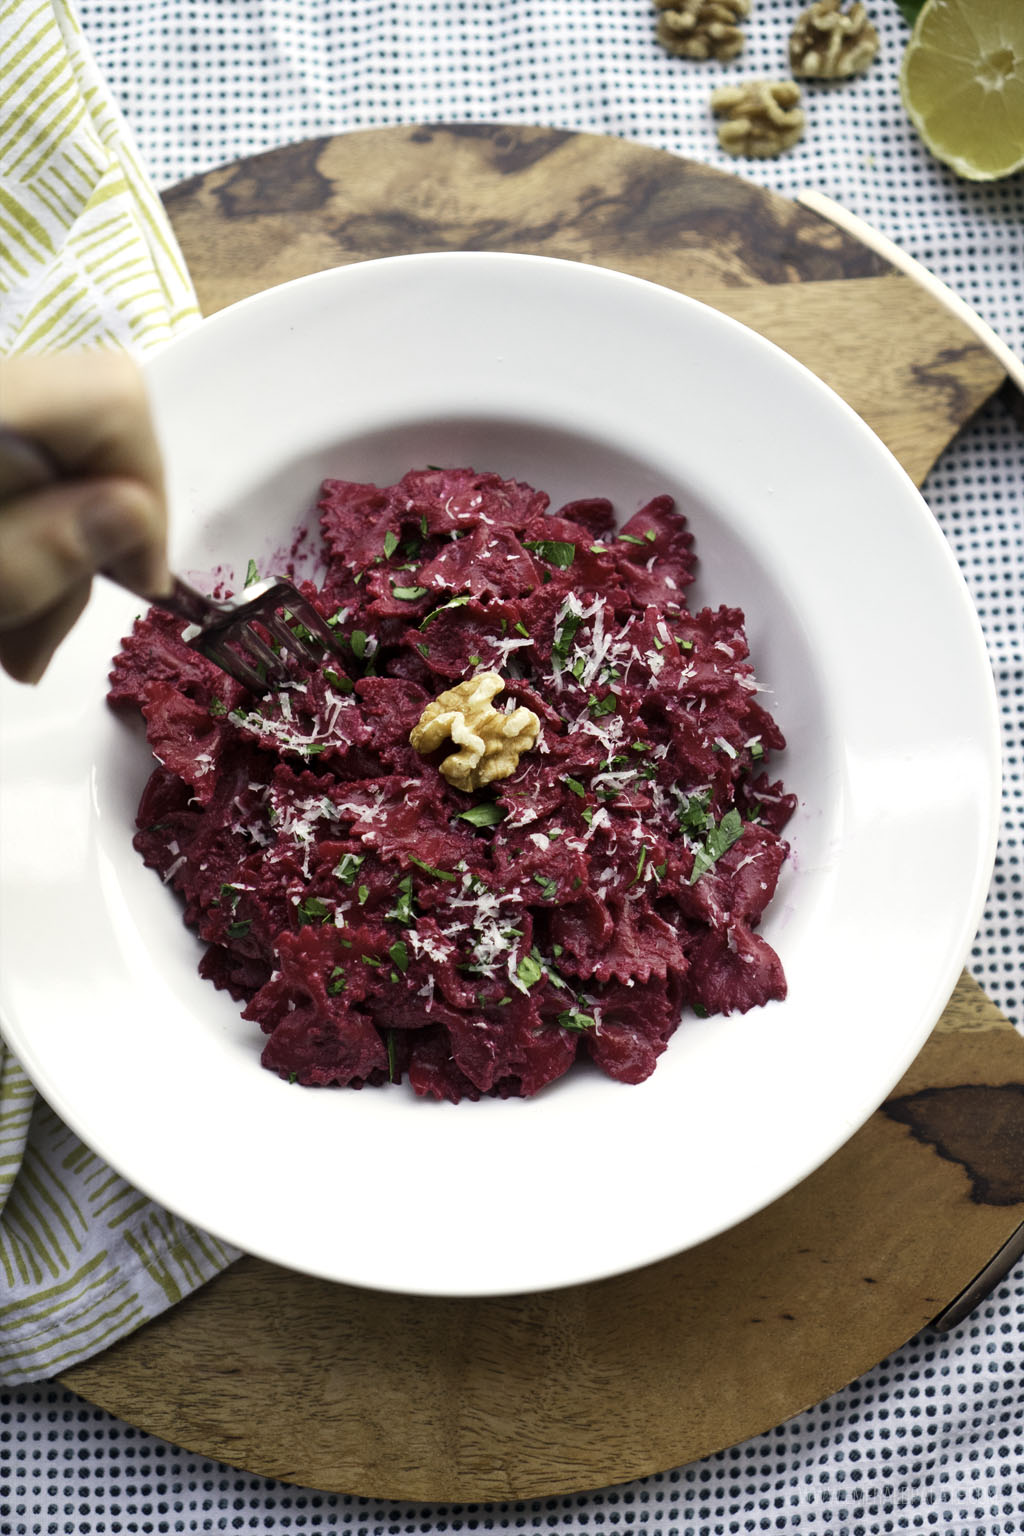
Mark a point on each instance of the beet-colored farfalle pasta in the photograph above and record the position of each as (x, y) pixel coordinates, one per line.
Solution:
(380, 923)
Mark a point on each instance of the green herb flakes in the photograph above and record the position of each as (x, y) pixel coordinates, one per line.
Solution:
(439, 874)
(529, 971)
(572, 1018)
(454, 602)
(554, 551)
(348, 867)
(719, 840)
(338, 680)
(402, 912)
(314, 910)
(487, 814)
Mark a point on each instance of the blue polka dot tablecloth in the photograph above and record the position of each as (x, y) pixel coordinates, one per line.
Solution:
(933, 1438)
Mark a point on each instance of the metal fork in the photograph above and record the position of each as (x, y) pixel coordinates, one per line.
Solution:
(220, 629)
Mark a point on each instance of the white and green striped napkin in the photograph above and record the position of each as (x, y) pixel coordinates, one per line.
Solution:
(87, 258)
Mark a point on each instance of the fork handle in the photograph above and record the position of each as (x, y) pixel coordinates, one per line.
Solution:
(191, 605)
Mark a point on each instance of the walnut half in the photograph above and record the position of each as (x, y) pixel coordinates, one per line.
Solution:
(762, 117)
(702, 29)
(828, 43)
(489, 742)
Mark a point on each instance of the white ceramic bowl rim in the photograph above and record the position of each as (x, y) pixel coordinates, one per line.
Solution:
(580, 381)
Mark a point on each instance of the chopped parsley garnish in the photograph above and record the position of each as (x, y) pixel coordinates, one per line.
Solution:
(487, 814)
(338, 680)
(252, 573)
(402, 912)
(641, 861)
(359, 640)
(453, 602)
(362, 893)
(563, 641)
(390, 544)
(521, 629)
(572, 1018)
(348, 867)
(400, 955)
(439, 874)
(605, 706)
(548, 887)
(474, 661)
(240, 929)
(228, 896)
(409, 594)
(694, 811)
(336, 981)
(575, 785)
(529, 971)
(717, 841)
(554, 551)
(630, 538)
(313, 910)
(218, 708)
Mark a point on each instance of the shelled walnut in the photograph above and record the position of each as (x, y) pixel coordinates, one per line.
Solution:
(762, 117)
(828, 43)
(702, 29)
(489, 742)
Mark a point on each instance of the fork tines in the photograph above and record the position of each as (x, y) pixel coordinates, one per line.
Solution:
(223, 631)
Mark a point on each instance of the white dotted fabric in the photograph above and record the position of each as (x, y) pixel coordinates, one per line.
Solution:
(933, 1438)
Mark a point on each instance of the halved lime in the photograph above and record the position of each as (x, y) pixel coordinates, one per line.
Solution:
(962, 81)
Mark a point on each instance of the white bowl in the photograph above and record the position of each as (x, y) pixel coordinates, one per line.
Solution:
(582, 382)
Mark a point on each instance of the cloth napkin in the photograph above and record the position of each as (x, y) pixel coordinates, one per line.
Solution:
(87, 258)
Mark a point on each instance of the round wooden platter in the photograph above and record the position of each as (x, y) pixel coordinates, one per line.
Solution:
(400, 1397)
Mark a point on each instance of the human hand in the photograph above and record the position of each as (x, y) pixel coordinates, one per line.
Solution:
(107, 512)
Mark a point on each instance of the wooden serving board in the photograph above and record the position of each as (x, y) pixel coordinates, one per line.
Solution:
(343, 1389)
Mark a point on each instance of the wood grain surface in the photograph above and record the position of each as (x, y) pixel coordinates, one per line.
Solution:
(400, 1397)
(913, 371)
